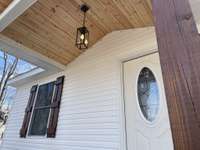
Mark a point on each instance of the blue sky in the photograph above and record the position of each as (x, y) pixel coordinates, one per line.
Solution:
(22, 67)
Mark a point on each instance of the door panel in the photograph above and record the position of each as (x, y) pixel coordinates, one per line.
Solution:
(148, 129)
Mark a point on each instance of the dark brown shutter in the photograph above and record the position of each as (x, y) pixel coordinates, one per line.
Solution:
(55, 106)
(28, 111)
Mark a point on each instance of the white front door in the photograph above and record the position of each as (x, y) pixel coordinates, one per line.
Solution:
(147, 121)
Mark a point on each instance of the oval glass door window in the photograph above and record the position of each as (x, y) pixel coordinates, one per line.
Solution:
(148, 94)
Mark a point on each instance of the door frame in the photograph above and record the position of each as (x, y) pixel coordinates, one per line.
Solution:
(122, 102)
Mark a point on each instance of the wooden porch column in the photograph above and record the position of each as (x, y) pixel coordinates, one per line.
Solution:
(179, 48)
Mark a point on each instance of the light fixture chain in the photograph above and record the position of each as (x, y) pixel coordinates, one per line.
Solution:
(84, 19)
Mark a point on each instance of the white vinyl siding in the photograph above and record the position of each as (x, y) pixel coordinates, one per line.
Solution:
(91, 114)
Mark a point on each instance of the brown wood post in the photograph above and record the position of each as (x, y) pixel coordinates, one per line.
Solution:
(179, 49)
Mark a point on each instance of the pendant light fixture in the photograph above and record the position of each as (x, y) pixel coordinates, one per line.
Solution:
(82, 35)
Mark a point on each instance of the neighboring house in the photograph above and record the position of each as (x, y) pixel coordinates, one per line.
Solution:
(112, 96)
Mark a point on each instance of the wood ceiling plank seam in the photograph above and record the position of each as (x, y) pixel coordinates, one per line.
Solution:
(23, 28)
(139, 7)
(49, 27)
(57, 17)
(34, 46)
(128, 24)
(79, 17)
(67, 34)
(150, 20)
(133, 14)
(91, 16)
(135, 20)
(93, 30)
(144, 11)
(109, 10)
(55, 34)
(116, 13)
(51, 43)
(149, 4)
(107, 19)
(92, 26)
(75, 57)
(115, 22)
(57, 20)
(93, 33)
(92, 22)
(132, 6)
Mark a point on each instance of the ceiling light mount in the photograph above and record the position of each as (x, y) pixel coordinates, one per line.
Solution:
(84, 8)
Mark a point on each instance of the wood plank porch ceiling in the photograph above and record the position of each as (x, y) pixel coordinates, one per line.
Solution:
(49, 26)
(4, 4)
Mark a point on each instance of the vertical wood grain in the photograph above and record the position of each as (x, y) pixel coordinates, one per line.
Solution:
(179, 49)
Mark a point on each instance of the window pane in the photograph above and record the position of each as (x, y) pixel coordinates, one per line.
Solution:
(39, 122)
(40, 114)
(148, 94)
(45, 94)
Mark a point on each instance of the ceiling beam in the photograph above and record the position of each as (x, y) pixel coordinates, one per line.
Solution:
(15, 9)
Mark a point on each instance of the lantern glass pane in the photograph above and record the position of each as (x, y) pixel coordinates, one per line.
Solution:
(82, 38)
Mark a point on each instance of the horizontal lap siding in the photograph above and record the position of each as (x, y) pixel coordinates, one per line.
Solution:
(91, 110)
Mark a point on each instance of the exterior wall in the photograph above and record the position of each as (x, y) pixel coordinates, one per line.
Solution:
(91, 115)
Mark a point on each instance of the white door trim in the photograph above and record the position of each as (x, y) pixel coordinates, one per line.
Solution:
(124, 143)
(124, 97)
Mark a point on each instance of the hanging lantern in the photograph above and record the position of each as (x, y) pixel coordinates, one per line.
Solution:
(82, 35)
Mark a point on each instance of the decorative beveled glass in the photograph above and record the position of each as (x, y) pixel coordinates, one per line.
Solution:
(148, 94)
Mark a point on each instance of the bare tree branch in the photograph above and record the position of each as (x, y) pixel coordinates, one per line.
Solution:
(5, 58)
(8, 71)
(9, 67)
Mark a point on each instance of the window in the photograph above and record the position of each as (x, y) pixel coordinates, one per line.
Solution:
(148, 94)
(41, 113)
(41, 110)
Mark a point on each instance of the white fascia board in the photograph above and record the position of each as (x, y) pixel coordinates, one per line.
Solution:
(25, 77)
(15, 9)
(28, 77)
